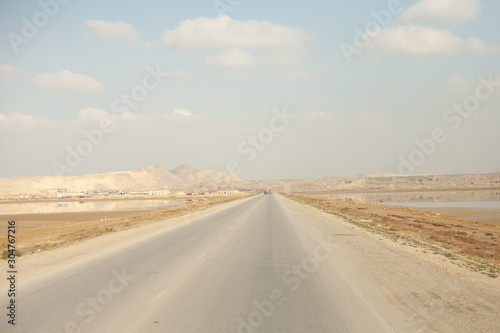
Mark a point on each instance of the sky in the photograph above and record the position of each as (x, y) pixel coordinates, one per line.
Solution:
(264, 89)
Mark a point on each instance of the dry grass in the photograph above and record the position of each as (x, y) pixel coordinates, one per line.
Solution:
(470, 239)
(55, 235)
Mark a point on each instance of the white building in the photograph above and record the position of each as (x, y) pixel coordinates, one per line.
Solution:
(159, 192)
(227, 192)
(150, 193)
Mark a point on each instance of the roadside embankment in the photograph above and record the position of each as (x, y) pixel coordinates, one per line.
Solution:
(57, 233)
(449, 236)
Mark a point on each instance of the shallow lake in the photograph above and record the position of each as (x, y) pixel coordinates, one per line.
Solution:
(482, 199)
(85, 206)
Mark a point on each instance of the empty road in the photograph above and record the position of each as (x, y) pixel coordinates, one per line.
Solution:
(252, 267)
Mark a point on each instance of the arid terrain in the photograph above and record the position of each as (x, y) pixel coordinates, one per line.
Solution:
(383, 282)
(443, 234)
(454, 230)
(380, 183)
(154, 177)
(46, 231)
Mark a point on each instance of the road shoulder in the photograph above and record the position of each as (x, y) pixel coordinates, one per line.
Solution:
(36, 264)
(412, 288)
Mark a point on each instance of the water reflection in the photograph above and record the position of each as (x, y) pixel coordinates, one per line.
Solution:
(85, 206)
(469, 199)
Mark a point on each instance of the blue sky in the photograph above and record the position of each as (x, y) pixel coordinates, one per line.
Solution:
(371, 86)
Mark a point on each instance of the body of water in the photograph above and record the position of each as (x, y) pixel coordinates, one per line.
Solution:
(85, 206)
(480, 206)
(483, 199)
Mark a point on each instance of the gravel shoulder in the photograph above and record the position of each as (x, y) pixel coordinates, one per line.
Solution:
(414, 289)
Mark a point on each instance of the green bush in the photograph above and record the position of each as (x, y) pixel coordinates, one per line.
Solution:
(5, 254)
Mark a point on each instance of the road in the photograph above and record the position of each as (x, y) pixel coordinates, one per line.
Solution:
(253, 267)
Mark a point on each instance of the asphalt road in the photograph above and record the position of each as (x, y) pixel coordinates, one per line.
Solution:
(252, 267)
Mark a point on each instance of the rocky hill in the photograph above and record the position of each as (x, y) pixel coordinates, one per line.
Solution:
(156, 177)
(383, 183)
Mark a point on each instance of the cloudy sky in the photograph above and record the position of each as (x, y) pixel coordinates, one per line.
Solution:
(265, 89)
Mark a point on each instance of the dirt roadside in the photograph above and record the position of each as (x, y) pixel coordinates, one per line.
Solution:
(476, 244)
(57, 234)
(413, 288)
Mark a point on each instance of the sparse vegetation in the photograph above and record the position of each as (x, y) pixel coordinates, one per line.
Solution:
(5, 253)
(456, 239)
(51, 236)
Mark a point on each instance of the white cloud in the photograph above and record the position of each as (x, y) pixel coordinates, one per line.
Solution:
(283, 57)
(182, 112)
(418, 40)
(8, 72)
(282, 62)
(459, 86)
(113, 31)
(460, 81)
(18, 119)
(224, 32)
(232, 58)
(92, 114)
(67, 81)
(319, 115)
(442, 11)
(479, 47)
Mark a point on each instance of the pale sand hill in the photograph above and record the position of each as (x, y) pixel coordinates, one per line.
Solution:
(386, 183)
(185, 177)
(156, 177)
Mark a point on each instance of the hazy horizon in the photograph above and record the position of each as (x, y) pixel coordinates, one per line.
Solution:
(264, 90)
(375, 174)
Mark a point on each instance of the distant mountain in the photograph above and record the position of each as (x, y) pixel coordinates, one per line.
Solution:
(188, 175)
(379, 174)
(156, 177)
(382, 183)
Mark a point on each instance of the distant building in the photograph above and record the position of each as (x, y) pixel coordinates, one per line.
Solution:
(70, 195)
(138, 193)
(159, 192)
(150, 193)
(227, 192)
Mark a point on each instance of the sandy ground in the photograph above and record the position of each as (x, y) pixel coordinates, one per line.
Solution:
(415, 289)
(38, 263)
(40, 232)
(490, 216)
(467, 238)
